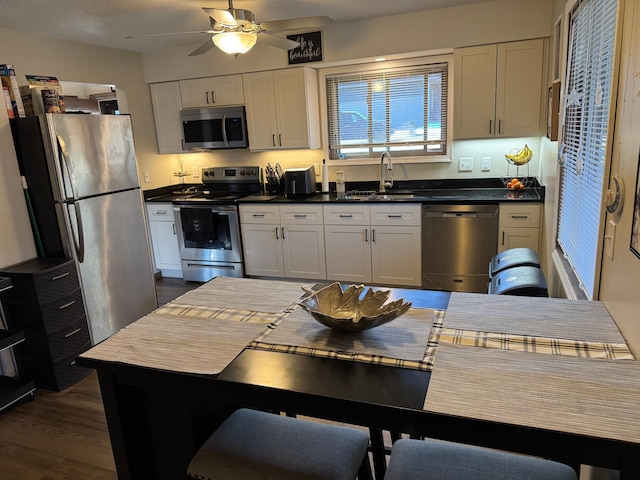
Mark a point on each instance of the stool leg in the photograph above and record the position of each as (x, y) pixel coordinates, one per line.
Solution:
(395, 436)
(377, 449)
(364, 473)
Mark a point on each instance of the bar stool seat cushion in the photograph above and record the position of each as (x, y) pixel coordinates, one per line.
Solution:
(438, 460)
(258, 445)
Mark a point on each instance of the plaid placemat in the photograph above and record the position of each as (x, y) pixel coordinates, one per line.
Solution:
(425, 364)
(525, 343)
(221, 313)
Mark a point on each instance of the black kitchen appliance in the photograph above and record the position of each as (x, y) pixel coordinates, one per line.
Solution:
(300, 181)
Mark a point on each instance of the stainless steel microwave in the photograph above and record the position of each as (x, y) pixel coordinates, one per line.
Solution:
(213, 128)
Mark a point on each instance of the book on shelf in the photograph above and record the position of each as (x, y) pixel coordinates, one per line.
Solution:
(7, 101)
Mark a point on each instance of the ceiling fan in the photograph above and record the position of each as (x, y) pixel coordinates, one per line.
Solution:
(235, 31)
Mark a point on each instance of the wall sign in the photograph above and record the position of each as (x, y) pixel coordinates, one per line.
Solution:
(309, 50)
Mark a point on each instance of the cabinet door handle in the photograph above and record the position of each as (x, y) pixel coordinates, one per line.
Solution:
(71, 334)
(207, 97)
(213, 96)
(346, 216)
(366, 235)
(283, 237)
(6, 288)
(373, 235)
(277, 236)
(66, 305)
(503, 234)
(174, 229)
(491, 127)
(280, 139)
(58, 277)
(273, 139)
(499, 126)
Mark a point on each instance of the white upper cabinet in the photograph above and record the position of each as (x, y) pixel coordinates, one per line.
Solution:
(282, 109)
(212, 92)
(165, 98)
(498, 90)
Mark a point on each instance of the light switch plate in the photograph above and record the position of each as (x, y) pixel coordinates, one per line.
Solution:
(465, 164)
(147, 179)
(196, 171)
(486, 164)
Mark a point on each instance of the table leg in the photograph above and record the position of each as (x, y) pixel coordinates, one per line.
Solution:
(378, 451)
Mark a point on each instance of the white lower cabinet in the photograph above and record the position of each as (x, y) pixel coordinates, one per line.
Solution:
(283, 240)
(378, 244)
(164, 240)
(519, 226)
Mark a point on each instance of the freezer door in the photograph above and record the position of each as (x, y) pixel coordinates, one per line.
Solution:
(91, 154)
(116, 271)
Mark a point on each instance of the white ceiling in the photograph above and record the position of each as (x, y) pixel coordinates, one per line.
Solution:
(107, 22)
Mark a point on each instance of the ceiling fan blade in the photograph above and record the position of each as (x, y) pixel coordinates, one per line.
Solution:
(223, 17)
(205, 47)
(276, 41)
(295, 24)
(210, 32)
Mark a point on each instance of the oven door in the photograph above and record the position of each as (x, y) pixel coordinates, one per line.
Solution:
(208, 233)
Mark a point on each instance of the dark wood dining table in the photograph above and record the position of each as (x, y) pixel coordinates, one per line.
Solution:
(168, 380)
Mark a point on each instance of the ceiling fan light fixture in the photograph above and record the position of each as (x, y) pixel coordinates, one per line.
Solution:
(235, 43)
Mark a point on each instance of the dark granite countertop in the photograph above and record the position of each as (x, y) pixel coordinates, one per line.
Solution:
(474, 191)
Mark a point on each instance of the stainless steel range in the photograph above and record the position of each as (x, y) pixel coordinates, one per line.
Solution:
(207, 223)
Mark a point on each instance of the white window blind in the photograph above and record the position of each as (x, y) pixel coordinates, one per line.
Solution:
(583, 153)
(402, 110)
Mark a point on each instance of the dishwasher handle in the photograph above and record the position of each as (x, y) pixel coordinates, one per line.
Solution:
(459, 214)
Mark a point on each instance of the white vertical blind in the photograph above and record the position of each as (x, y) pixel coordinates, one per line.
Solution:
(588, 94)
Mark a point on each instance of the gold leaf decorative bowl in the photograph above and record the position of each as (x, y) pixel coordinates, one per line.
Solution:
(346, 311)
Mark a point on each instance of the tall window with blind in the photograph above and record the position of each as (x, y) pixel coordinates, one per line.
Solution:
(401, 110)
(585, 148)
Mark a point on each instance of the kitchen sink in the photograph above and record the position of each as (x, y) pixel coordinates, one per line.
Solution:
(391, 196)
(373, 196)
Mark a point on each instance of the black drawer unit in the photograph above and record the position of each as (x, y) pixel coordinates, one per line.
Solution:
(46, 304)
(13, 385)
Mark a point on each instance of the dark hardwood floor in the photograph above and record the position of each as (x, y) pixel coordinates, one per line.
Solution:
(63, 435)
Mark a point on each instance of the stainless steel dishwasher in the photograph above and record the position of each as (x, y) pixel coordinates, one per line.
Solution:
(458, 242)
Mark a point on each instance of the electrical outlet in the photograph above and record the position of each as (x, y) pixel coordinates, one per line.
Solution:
(486, 164)
(316, 169)
(196, 171)
(147, 179)
(465, 164)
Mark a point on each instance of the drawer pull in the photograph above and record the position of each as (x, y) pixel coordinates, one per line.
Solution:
(66, 305)
(346, 216)
(520, 216)
(161, 212)
(394, 216)
(58, 277)
(300, 216)
(6, 288)
(258, 215)
(71, 334)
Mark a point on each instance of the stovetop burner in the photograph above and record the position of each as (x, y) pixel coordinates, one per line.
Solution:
(225, 185)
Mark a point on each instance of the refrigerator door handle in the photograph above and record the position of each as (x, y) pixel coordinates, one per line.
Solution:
(78, 243)
(64, 154)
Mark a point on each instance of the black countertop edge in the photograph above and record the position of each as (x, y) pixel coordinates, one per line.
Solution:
(473, 190)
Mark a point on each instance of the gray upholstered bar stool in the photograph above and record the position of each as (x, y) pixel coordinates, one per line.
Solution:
(252, 444)
(437, 460)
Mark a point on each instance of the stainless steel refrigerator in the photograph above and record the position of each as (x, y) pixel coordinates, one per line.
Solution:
(86, 204)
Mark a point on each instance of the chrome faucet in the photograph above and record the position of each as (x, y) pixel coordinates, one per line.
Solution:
(383, 182)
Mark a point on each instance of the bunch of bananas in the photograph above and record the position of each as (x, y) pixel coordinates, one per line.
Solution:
(522, 157)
